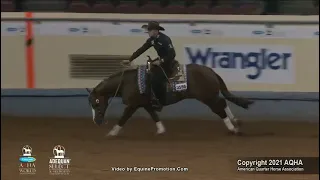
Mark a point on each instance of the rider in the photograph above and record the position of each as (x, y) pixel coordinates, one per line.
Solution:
(163, 45)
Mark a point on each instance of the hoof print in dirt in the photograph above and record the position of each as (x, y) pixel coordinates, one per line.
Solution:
(232, 133)
(159, 134)
(109, 136)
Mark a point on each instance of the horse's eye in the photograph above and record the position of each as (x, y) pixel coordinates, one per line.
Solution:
(97, 101)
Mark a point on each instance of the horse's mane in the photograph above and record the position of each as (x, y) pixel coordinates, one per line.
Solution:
(118, 73)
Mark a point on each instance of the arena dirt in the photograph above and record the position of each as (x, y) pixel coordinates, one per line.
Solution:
(203, 147)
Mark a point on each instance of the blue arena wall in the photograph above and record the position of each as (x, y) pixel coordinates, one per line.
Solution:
(74, 103)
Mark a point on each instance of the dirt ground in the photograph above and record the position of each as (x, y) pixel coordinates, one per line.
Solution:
(203, 147)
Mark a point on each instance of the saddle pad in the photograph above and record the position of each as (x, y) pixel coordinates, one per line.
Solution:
(176, 84)
(142, 78)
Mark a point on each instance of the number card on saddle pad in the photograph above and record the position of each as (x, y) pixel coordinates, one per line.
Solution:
(178, 82)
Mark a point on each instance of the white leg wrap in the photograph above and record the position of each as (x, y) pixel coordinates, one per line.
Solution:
(229, 124)
(160, 128)
(228, 112)
(115, 130)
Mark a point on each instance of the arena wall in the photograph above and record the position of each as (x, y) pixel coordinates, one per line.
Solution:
(74, 103)
(289, 91)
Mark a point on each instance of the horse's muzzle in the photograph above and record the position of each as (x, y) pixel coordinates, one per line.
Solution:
(97, 117)
(98, 120)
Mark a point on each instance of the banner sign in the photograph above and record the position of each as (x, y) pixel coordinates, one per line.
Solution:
(178, 30)
(13, 28)
(246, 63)
(249, 57)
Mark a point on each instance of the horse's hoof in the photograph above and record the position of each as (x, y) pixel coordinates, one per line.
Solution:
(160, 132)
(237, 122)
(235, 133)
(239, 133)
(111, 135)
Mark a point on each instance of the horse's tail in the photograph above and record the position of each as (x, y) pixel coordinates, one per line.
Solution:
(240, 101)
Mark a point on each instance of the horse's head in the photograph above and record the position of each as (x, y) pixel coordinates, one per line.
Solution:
(98, 105)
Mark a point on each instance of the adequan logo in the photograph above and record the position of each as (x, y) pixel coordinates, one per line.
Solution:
(16, 29)
(59, 164)
(205, 32)
(258, 32)
(136, 30)
(268, 32)
(196, 31)
(83, 30)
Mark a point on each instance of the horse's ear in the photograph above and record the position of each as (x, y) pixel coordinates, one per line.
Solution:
(88, 90)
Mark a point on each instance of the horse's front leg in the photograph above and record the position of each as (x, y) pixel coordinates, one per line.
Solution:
(160, 127)
(128, 112)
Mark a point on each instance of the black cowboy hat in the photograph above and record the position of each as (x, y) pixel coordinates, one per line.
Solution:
(153, 25)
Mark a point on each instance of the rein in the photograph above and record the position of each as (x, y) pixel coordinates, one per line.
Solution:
(117, 90)
(115, 94)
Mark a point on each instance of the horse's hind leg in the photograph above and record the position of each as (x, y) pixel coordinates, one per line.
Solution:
(128, 112)
(231, 116)
(220, 107)
(160, 127)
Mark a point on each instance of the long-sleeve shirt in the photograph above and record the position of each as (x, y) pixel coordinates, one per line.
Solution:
(162, 44)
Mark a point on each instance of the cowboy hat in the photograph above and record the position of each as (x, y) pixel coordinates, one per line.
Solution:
(153, 25)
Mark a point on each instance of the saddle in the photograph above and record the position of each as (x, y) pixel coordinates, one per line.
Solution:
(177, 73)
(177, 80)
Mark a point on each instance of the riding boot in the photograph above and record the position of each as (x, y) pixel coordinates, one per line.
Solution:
(151, 95)
(155, 102)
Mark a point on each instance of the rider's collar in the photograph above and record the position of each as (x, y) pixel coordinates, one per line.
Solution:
(155, 37)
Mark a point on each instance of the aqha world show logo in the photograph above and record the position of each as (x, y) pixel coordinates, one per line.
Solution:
(27, 163)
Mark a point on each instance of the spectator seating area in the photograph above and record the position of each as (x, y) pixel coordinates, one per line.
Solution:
(246, 7)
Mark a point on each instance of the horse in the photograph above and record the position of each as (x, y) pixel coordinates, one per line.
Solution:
(190, 81)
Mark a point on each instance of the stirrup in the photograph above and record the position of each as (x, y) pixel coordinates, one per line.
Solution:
(156, 105)
(155, 101)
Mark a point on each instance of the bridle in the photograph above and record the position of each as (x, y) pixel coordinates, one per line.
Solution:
(92, 108)
(109, 103)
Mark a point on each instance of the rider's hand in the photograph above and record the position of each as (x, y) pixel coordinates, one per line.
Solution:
(125, 63)
(157, 62)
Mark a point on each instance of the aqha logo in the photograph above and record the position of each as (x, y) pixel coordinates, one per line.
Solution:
(27, 161)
